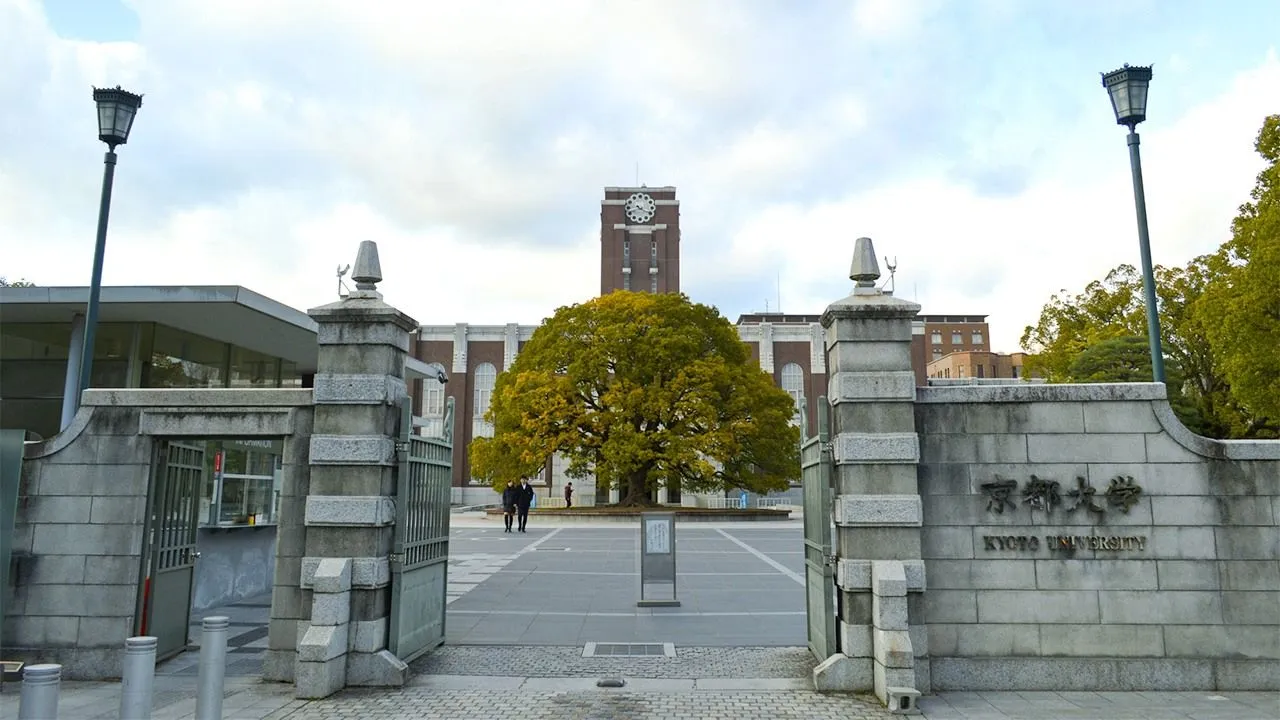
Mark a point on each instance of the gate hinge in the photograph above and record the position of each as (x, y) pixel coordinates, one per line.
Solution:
(402, 446)
(395, 557)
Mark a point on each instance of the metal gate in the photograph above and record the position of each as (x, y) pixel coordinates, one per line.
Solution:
(819, 585)
(420, 555)
(175, 505)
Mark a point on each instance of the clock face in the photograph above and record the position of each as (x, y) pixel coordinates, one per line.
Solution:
(640, 208)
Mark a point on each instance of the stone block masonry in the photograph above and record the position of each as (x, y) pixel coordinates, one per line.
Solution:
(348, 527)
(1077, 537)
(877, 509)
(81, 520)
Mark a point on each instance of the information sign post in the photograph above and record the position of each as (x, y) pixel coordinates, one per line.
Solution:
(657, 558)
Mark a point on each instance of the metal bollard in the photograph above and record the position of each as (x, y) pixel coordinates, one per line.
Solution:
(213, 667)
(39, 699)
(139, 678)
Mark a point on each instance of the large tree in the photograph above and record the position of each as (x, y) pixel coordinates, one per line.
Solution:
(1219, 318)
(1241, 313)
(642, 391)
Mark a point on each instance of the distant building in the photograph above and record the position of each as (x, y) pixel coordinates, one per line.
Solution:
(978, 365)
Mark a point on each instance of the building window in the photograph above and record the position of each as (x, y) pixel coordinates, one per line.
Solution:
(937, 354)
(485, 376)
(626, 281)
(1017, 371)
(653, 252)
(793, 383)
(960, 371)
(653, 283)
(626, 252)
(981, 371)
(956, 337)
(936, 337)
(977, 339)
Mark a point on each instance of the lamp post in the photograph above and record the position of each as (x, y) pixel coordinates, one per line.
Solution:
(1128, 90)
(116, 110)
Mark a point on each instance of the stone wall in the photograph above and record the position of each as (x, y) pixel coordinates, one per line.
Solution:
(1153, 564)
(81, 514)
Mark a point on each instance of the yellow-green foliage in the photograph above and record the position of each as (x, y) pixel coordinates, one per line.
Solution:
(643, 391)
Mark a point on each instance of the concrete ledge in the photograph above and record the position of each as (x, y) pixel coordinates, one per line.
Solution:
(840, 673)
(352, 450)
(350, 510)
(358, 389)
(878, 511)
(1102, 674)
(204, 422)
(867, 448)
(198, 397)
(332, 575)
(872, 386)
(366, 572)
(323, 643)
(1040, 393)
(380, 669)
(59, 442)
(855, 575)
(1210, 448)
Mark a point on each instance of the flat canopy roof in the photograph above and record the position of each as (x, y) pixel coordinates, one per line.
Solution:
(227, 313)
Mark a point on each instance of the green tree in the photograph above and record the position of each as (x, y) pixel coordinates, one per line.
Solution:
(4, 282)
(1241, 313)
(642, 391)
(1219, 318)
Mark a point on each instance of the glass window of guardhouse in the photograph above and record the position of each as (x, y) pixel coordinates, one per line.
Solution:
(181, 359)
(242, 482)
(250, 369)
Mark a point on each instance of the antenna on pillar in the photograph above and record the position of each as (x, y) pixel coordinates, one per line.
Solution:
(893, 266)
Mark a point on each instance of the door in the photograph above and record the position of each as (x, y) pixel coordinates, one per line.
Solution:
(420, 554)
(174, 519)
(819, 585)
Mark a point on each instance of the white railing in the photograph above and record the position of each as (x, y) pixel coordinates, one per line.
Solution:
(776, 502)
(554, 503)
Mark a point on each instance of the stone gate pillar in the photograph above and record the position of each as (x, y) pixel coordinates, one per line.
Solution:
(877, 504)
(350, 510)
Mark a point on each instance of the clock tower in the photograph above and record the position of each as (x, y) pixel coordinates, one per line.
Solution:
(640, 240)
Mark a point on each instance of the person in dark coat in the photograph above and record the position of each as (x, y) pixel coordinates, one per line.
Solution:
(568, 495)
(524, 498)
(510, 498)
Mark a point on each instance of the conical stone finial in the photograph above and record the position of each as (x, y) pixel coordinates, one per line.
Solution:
(368, 270)
(865, 270)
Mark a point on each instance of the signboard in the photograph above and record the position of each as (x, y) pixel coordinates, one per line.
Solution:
(657, 559)
(657, 536)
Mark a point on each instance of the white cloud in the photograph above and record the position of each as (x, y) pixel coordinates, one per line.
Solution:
(471, 142)
(965, 253)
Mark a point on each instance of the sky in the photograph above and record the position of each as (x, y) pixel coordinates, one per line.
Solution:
(971, 140)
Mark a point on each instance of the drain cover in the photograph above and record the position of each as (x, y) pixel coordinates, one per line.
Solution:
(611, 682)
(613, 649)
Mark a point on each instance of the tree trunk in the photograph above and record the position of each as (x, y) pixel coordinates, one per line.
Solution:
(635, 492)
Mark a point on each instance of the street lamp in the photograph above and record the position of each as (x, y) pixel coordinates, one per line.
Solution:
(1128, 89)
(116, 110)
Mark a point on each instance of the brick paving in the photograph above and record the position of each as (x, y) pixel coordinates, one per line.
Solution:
(585, 705)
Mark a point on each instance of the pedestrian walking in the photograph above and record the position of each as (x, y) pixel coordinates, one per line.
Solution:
(510, 498)
(568, 495)
(524, 498)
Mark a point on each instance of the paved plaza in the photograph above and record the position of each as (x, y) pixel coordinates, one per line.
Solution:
(738, 585)
(523, 606)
